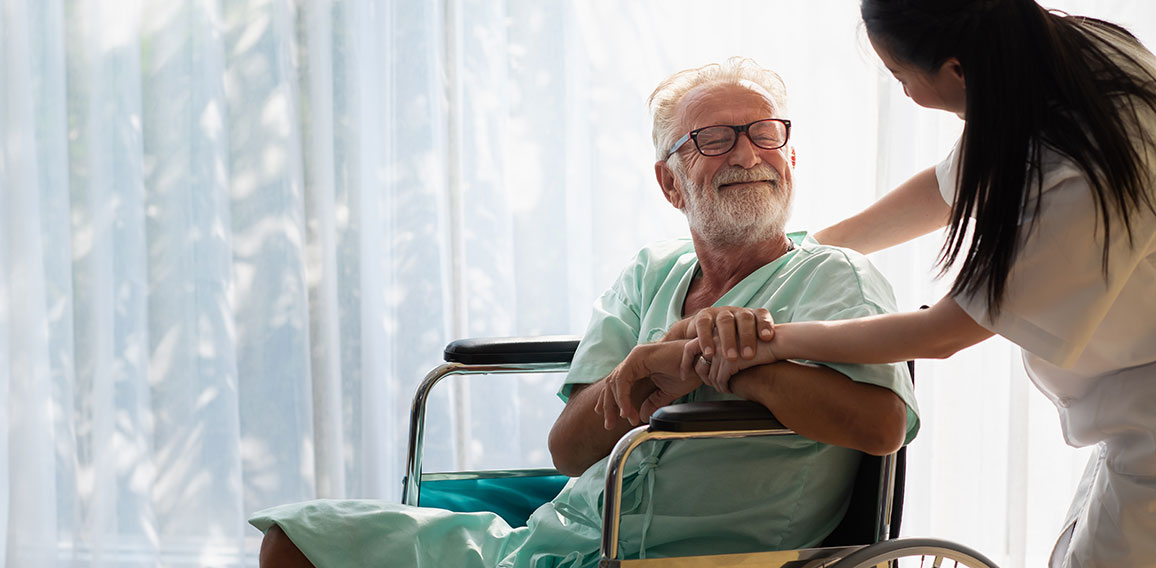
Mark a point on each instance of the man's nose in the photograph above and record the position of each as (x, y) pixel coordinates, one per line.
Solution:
(745, 154)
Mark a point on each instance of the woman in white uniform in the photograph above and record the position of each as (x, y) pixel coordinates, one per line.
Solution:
(1054, 175)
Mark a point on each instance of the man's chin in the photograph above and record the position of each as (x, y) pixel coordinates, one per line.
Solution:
(745, 234)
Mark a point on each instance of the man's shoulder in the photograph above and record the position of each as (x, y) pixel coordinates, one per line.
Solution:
(651, 266)
(827, 255)
(672, 249)
(841, 270)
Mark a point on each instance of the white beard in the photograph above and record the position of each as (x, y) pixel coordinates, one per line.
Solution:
(737, 216)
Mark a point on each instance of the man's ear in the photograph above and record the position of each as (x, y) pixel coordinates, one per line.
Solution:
(792, 157)
(669, 184)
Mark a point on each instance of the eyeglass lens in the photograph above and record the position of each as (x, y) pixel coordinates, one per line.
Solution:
(718, 140)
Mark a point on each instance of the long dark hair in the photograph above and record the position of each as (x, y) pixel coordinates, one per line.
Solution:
(1035, 79)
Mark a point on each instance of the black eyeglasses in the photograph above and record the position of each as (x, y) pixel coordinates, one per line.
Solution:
(716, 140)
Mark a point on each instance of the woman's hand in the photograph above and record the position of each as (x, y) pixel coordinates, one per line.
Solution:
(731, 330)
(649, 378)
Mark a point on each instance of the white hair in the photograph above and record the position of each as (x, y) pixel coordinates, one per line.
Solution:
(734, 71)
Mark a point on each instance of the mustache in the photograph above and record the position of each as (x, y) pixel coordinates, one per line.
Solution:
(761, 172)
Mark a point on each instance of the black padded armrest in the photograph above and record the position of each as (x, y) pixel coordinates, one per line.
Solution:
(713, 417)
(512, 350)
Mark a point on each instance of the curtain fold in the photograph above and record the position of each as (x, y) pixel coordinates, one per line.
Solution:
(24, 311)
(234, 235)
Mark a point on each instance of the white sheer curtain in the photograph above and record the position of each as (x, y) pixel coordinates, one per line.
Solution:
(235, 233)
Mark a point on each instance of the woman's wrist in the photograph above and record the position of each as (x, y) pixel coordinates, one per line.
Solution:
(764, 354)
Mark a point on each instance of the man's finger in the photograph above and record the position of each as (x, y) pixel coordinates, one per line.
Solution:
(656, 400)
(627, 374)
(718, 375)
(713, 374)
(690, 353)
(702, 366)
(609, 410)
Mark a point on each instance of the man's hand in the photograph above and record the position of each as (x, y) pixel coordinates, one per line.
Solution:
(717, 372)
(731, 330)
(668, 388)
(656, 363)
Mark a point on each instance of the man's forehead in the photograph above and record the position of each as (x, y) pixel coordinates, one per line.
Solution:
(721, 103)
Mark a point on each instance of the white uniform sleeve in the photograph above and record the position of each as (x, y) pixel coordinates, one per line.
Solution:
(945, 174)
(1057, 294)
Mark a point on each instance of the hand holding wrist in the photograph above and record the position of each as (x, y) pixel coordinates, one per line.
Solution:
(764, 354)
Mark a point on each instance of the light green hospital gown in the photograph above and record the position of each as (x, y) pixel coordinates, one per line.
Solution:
(690, 497)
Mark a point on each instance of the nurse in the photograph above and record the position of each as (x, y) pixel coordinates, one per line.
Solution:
(1054, 177)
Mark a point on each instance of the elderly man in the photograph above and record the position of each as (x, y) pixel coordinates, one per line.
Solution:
(723, 159)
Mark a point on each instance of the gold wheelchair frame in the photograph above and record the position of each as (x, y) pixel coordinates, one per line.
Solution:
(864, 539)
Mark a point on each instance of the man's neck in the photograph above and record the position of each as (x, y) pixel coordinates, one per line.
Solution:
(724, 266)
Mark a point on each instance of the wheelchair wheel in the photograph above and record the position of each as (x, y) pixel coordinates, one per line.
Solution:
(923, 552)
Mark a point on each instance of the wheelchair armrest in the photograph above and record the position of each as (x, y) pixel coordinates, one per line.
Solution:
(512, 350)
(714, 416)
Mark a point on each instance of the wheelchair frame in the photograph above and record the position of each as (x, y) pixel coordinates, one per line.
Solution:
(545, 354)
(729, 419)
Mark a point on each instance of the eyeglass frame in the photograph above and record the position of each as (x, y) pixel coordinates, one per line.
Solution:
(693, 135)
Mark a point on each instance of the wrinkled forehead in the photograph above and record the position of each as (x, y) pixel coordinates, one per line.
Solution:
(725, 103)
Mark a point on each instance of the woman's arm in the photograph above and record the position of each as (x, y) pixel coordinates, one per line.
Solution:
(913, 209)
(935, 333)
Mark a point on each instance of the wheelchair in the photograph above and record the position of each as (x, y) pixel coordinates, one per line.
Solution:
(866, 537)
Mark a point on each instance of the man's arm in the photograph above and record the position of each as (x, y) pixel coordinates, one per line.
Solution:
(592, 422)
(579, 437)
(825, 405)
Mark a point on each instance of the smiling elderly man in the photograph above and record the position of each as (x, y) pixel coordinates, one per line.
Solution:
(721, 138)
